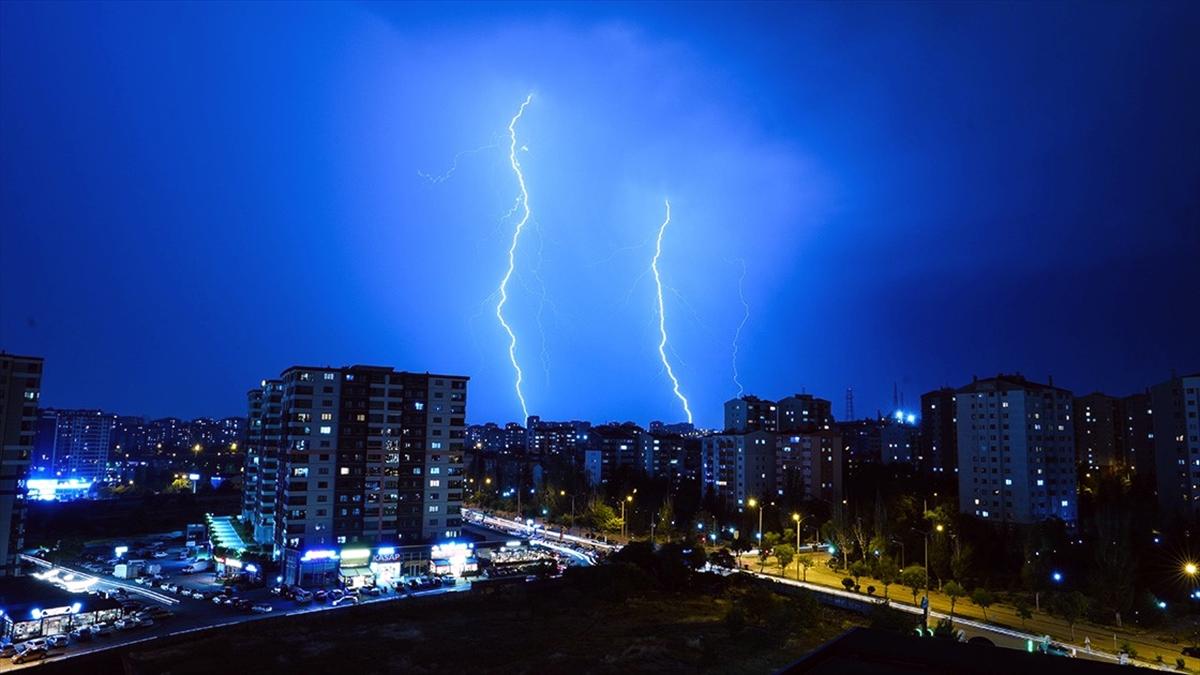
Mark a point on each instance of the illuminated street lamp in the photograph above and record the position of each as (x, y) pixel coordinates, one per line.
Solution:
(1190, 569)
(624, 527)
(797, 519)
(753, 503)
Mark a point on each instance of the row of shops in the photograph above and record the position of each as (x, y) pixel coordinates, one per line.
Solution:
(385, 565)
(30, 608)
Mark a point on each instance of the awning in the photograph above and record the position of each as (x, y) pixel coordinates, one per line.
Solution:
(350, 572)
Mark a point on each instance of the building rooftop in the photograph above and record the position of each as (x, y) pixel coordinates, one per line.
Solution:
(1013, 382)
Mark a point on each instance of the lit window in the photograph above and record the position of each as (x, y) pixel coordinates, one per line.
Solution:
(327, 430)
(345, 471)
(326, 417)
(435, 483)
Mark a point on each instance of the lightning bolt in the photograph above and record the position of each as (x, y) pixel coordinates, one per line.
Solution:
(662, 319)
(512, 252)
(738, 334)
(441, 178)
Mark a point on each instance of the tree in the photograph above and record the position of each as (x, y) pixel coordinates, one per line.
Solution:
(1024, 613)
(960, 563)
(914, 577)
(806, 562)
(858, 570)
(954, 591)
(769, 540)
(887, 573)
(983, 598)
(785, 553)
(666, 519)
(1071, 606)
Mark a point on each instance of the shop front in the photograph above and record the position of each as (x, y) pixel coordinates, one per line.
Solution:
(454, 558)
(34, 609)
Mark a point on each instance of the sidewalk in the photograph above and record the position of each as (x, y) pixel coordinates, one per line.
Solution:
(1101, 637)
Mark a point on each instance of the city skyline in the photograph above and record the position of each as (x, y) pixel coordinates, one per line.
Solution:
(341, 200)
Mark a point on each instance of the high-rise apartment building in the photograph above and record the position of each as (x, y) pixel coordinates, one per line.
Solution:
(1016, 451)
(20, 389)
(809, 466)
(368, 456)
(548, 439)
(737, 467)
(750, 413)
(803, 413)
(75, 445)
(1176, 419)
(1097, 432)
(264, 434)
(1136, 433)
(938, 445)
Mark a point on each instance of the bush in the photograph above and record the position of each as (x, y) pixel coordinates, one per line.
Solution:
(883, 617)
(848, 583)
(870, 590)
(735, 620)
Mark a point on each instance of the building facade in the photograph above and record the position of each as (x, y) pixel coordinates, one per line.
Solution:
(1176, 423)
(750, 413)
(20, 390)
(938, 446)
(803, 413)
(738, 467)
(1016, 451)
(368, 457)
(1097, 432)
(809, 466)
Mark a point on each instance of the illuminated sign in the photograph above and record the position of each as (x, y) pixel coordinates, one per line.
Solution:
(319, 554)
(450, 550)
(231, 562)
(386, 550)
(120, 551)
(193, 476)
(55, 611)
(355, 553)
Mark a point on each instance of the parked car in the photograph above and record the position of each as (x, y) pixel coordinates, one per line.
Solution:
(336, 594)
(30, 655)
(58, 641)
(349, 598)
(83, 634)
(159, 554)
(145, 622)
(7, 650)
(302, 596)
(371, 590)
(262, 608)
(124, 624)
(102, 630)
(320, 595)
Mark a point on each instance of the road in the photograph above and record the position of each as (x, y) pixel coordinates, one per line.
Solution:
(1000, 618)
(967, 617)
(193, 614)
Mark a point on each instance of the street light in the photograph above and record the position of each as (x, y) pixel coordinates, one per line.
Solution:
(1190, 569)
(752, 503)
(797, 519)
(624, 527)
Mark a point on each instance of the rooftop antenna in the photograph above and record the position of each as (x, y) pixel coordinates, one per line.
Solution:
(849, 403)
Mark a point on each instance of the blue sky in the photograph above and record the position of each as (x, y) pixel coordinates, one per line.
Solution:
(196, 196)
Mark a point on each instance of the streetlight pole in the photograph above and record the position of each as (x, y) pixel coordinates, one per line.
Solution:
(796, 517)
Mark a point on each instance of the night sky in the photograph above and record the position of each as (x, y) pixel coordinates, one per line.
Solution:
(195, 197)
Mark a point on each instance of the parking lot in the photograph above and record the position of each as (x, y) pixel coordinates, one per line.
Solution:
(176, 600)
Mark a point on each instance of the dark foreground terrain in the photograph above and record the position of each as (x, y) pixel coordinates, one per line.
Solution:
(642, 615)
